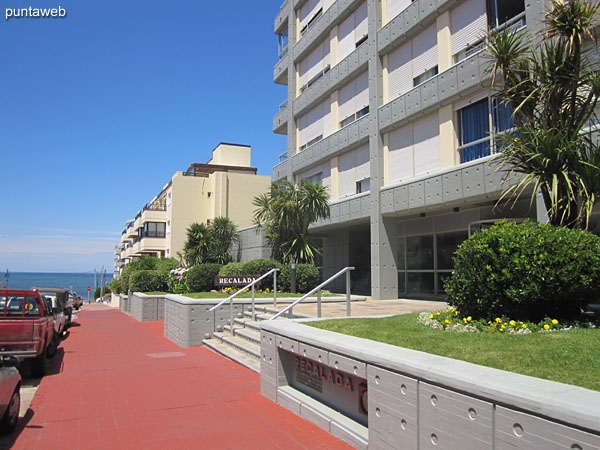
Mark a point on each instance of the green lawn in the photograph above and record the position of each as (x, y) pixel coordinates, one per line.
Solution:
(571, 357)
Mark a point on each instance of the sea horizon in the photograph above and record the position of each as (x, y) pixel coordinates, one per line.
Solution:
(76, 281)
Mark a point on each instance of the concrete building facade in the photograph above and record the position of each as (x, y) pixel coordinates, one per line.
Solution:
(223, 187)
(389, 105)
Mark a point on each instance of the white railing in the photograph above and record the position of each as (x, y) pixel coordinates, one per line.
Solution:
(317, 289)
(250, 285)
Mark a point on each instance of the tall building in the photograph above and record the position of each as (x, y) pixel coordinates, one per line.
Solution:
(223, 187)
(389, 105)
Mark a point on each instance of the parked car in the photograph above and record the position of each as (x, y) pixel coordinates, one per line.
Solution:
(61, 297)
(10, 393)
(27, 327)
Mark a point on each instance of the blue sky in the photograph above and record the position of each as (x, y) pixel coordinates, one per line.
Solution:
(99, 109)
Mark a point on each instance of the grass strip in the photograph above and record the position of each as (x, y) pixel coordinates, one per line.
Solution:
(571, 357)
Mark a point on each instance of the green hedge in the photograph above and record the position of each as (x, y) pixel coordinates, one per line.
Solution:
(115, 286)
(307, 277)
(200, 278)
(526, 272)
(165, 265)
(147, 281)
(232, 269)
(262, 266)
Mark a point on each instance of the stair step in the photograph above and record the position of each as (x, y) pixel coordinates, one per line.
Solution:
(248, 324)
(250, 334)
(259, 316)
(240, 344)
(233, 353)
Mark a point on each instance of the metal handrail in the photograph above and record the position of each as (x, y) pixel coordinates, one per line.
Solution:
(231, 297)
(345, 270)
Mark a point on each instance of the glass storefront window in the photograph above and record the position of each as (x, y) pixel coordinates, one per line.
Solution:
(419, 252)
(421, 283)
(447, 243)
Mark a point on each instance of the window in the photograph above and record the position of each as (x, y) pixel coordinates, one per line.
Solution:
(283, 43)
(363, 185)
(315, 179)
(500, 12)
(209, 194)
(425, 76)
(154, 229)
(474, 131)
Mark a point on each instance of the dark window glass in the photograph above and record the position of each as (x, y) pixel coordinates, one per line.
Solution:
(400, 264)
(447, 243)
(502, 115)
(401, 283)
(419, 252)
(421, 283)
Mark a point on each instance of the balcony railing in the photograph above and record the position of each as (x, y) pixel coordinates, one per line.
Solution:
(283, 157)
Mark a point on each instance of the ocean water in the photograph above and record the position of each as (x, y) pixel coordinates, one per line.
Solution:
(79, 281)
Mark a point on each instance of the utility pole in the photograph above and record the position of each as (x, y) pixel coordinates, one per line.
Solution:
(102, 273)
(95, 282)
(6, 277)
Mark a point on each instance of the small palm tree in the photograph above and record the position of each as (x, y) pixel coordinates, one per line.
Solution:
(222, 234)
(285, 214)
(195, 249)
(553, 89)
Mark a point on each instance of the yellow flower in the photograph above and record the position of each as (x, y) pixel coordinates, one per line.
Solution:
(498, 320)
(554, 322)
(437, 313)
(513, 323)
(446, 321)
(469, 319)
(546, 327)
(524, 325)
(451, 309)
(464, 320)
(431, 316)
(489, 322)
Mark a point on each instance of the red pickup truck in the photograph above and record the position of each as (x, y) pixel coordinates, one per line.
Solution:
(27, 327)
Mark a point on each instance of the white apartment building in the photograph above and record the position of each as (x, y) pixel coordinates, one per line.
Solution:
(389, 105)
(223, 187)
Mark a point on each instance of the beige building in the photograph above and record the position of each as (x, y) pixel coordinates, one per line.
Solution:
(223, 187)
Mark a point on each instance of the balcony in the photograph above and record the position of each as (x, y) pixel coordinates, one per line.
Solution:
(281, 19)
(153, 244)
(154, 215)
(280, 121)
(280, 73)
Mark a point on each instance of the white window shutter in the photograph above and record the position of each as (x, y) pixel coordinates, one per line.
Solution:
(468, 24)
(347, 100)
(346, 37)
(401, 154)
(302, 129)
(346, 165)
(362, 91)
(427, 144)
(315, 62)
(363, 168)
(395, 7)
(361, 21)
(424, 50)
(400, 79)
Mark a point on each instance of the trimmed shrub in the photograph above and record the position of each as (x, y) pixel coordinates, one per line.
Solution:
(165, 265)
(144, 263)
(147, 281)
(527, 271)
(201, 278)
(232, 269)
(307, 277)
(261, 266)
(115, 286)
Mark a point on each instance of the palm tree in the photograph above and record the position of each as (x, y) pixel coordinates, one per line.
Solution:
(285, 214)
(195, 249)
(553, 89)
(222, 234)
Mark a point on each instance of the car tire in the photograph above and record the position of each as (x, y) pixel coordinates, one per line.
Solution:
(11, 416)
(38, 365)
(53, 347)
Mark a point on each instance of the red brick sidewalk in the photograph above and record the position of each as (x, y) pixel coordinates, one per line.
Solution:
(117, 383)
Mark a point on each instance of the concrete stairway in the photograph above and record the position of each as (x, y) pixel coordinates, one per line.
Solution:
(243, 346)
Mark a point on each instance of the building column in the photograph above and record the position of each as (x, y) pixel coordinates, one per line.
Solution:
(292, 142)
(384, 277)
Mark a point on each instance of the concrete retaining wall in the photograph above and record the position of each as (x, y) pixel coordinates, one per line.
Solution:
(419, 400)
(147, 307)
(124, 303)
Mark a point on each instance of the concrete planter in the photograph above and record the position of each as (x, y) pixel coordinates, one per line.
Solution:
(147, 307)
(418, 400)
(124, 303)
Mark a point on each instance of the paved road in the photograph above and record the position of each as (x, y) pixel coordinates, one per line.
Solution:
(119, 384)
